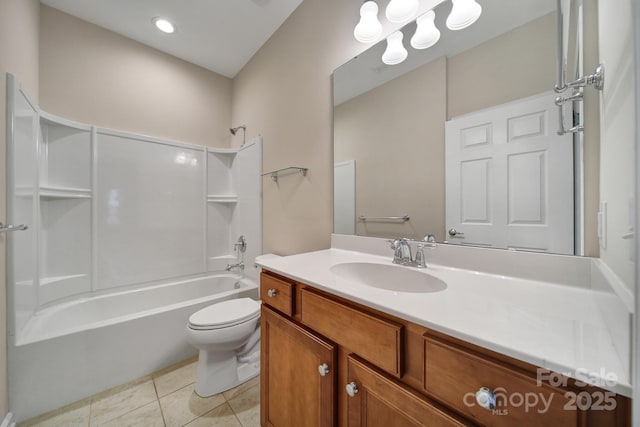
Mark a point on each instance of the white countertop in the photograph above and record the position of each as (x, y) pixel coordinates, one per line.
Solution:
(548, 325)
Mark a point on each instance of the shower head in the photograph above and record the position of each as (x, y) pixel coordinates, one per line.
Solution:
(236, 129)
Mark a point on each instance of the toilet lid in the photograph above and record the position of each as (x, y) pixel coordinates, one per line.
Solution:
(225, 313)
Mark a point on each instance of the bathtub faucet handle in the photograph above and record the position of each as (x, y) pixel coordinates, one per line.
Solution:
(241, 245)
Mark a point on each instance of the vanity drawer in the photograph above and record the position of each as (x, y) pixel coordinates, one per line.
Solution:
(377, 399)
(453, 375)
(277, 293)
(375, 339)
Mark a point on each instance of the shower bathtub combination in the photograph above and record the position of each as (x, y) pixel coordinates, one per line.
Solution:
(128, 235)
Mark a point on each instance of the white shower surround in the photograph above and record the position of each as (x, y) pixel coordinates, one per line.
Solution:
(128, 236)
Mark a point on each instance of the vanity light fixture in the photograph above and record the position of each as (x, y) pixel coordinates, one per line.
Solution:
(401, 11)
(426, 34)
(395, 52)
(164, 25)
(463, 14)
(369, 28)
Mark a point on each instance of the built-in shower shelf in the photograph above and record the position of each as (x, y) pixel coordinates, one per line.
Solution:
(64, 193)
(223, 151)
(56, 279)
(222, 198)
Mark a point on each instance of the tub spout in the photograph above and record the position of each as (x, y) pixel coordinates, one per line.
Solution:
(239, 265)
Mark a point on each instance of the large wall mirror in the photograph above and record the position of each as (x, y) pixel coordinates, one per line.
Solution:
(463, 135)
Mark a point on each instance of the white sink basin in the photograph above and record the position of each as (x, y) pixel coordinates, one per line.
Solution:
(390, 277)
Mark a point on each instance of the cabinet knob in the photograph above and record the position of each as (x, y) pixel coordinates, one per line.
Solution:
(272, 293)
(486, 398)
(352, 389)
(323, 369)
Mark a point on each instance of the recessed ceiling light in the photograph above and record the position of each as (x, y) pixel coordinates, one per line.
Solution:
(164, 25)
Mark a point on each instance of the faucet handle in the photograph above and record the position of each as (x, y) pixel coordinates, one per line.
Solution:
(241, 244)
(402, 251)
(430, 238)
(420, 259)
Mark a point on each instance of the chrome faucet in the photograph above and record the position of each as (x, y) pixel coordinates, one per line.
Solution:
(240, 247)
(402, 254)
(239, 265)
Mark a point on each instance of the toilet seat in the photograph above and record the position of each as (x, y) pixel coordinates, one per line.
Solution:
(225, 314)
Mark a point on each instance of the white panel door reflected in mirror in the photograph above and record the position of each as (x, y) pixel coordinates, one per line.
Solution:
(509, 178)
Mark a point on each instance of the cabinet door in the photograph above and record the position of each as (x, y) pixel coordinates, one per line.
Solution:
(377, 400)
(297, 389)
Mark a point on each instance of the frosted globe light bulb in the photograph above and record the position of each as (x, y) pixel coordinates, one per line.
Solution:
(369, 28)
(463, 13)
(395, 52)
(426, 34)
(401, 11)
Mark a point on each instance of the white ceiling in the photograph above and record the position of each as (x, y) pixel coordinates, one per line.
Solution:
(220, 35)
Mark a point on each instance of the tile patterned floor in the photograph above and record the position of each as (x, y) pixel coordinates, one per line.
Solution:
(165, 398)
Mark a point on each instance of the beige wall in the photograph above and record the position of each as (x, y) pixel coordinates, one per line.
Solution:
(95, 76)
(18, 55)
(492, 73)
(395, 133)
(284, 93)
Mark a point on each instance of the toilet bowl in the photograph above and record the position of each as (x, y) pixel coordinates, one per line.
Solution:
(227, 335)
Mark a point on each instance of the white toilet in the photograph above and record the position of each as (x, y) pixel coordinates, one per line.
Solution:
(228, 337)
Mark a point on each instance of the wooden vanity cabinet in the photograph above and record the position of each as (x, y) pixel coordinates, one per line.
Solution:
(399, 373)
(298, 375)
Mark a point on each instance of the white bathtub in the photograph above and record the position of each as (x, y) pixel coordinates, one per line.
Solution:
(75, 349)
